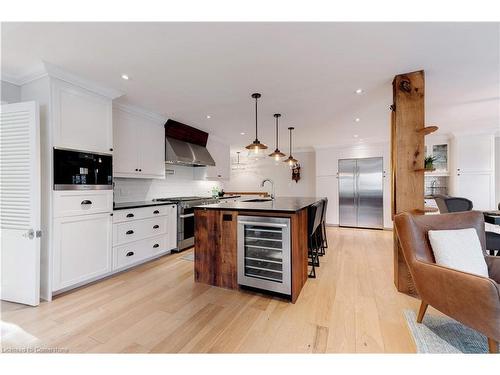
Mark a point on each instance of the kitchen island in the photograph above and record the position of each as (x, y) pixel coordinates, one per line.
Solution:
(259, 243)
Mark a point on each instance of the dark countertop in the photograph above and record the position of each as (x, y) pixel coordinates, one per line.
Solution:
(280, 204)
(139, 204)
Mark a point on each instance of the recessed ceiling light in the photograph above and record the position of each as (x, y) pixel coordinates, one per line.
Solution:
(355, 136)
(208, 116)
(125, 77)
(360, 91)
(357, 119)
(242, 133)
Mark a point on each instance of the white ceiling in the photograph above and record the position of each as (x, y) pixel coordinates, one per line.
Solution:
(306, 71)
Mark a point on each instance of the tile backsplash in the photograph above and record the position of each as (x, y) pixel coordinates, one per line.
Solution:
(181, 183)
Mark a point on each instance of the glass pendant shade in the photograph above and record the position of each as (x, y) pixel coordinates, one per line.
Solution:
(238, 165)
(256, 145)
(277, 154)
(291, 161)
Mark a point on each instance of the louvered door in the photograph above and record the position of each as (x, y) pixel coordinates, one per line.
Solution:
(20, 203)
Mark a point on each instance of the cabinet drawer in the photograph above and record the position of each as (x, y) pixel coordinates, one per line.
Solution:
(137, 251)
(141, 213)
(72, 203)
(131, 253)
(139, 229)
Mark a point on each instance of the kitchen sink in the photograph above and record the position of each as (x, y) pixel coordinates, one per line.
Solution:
(258, 200)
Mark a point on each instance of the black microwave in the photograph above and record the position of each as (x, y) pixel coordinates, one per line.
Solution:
(80, 170)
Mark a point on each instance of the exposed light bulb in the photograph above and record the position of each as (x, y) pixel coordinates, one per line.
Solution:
(357, 119)
(276, 157)
(125, 77)
(359, 91)
(209, 117)
(256, 149)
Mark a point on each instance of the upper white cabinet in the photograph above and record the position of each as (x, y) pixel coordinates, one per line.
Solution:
(473, 169)
(82, 119)
(221, 154)
(139, 150)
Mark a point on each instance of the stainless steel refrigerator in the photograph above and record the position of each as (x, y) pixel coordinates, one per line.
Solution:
(361, 193)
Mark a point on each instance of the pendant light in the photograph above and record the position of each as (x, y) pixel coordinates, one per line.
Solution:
(238, 165)
(277, 154)
(255, 146)
(291, 160)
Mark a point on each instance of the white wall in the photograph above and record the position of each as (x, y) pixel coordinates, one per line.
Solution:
(255, 171)
(181, 183)
(9, 93)
(326, 174)
(497, 171)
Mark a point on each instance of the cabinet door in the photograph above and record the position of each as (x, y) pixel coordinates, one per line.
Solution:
(172, 227)
(151, 141)
(82, 119)
(220, 153)
(479, 188)
(125, 156)
(475, 153)
(82, 249)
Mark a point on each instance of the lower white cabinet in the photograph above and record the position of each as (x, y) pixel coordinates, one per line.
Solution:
(82, 249)
(143, 233)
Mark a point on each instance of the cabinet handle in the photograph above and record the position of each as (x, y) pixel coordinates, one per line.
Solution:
(156, 226)
(130, 215)
(140, 170)
(129, 232)
(156, 212)
(86, 201)
(155, 246)
(137, 170)
(129, 254)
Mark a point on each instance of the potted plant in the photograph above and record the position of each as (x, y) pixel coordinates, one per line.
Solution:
(429, 162)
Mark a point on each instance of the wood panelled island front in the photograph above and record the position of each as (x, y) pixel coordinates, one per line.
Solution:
(216, 239)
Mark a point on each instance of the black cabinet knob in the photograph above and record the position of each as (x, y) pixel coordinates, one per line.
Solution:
(129, 232)
(110, 149)
(155, 246)
(156, 226)
(129, 254)
(130, 215)
(86, 201)
(140, 170)
(136, 170)
(156, 212)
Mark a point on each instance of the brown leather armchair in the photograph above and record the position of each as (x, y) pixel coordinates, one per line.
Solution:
(471, 299)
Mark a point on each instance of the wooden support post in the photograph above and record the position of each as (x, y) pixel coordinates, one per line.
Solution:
(407, 156)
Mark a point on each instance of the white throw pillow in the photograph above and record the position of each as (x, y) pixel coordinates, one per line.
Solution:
(459, 249)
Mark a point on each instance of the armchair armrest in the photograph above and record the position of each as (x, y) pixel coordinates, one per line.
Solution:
(493, 267)
(471, 299)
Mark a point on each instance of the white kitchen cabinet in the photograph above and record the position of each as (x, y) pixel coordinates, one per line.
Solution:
(221, 154)
(140, 234)
(82, 249)
(473, 169)
(82, 119)
(139, 150)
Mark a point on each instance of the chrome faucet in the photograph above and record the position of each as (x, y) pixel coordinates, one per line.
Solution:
(272, 185)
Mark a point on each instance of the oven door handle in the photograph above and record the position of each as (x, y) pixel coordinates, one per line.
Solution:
(185, 216)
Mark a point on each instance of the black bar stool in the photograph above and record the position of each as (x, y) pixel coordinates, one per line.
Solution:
(314, 228)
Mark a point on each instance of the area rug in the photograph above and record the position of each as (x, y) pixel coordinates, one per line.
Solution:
(189, 257)
(440, 334)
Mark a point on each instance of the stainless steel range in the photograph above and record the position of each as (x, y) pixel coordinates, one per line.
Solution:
(185, 217)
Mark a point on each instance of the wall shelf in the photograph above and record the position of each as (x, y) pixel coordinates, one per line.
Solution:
(427, 130)
(425, 170)
(426, 210)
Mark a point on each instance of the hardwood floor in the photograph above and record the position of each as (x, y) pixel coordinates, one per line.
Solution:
(351, 307)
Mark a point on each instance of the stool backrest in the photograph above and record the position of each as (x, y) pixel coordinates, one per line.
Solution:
(325, 206)
(314, 216)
